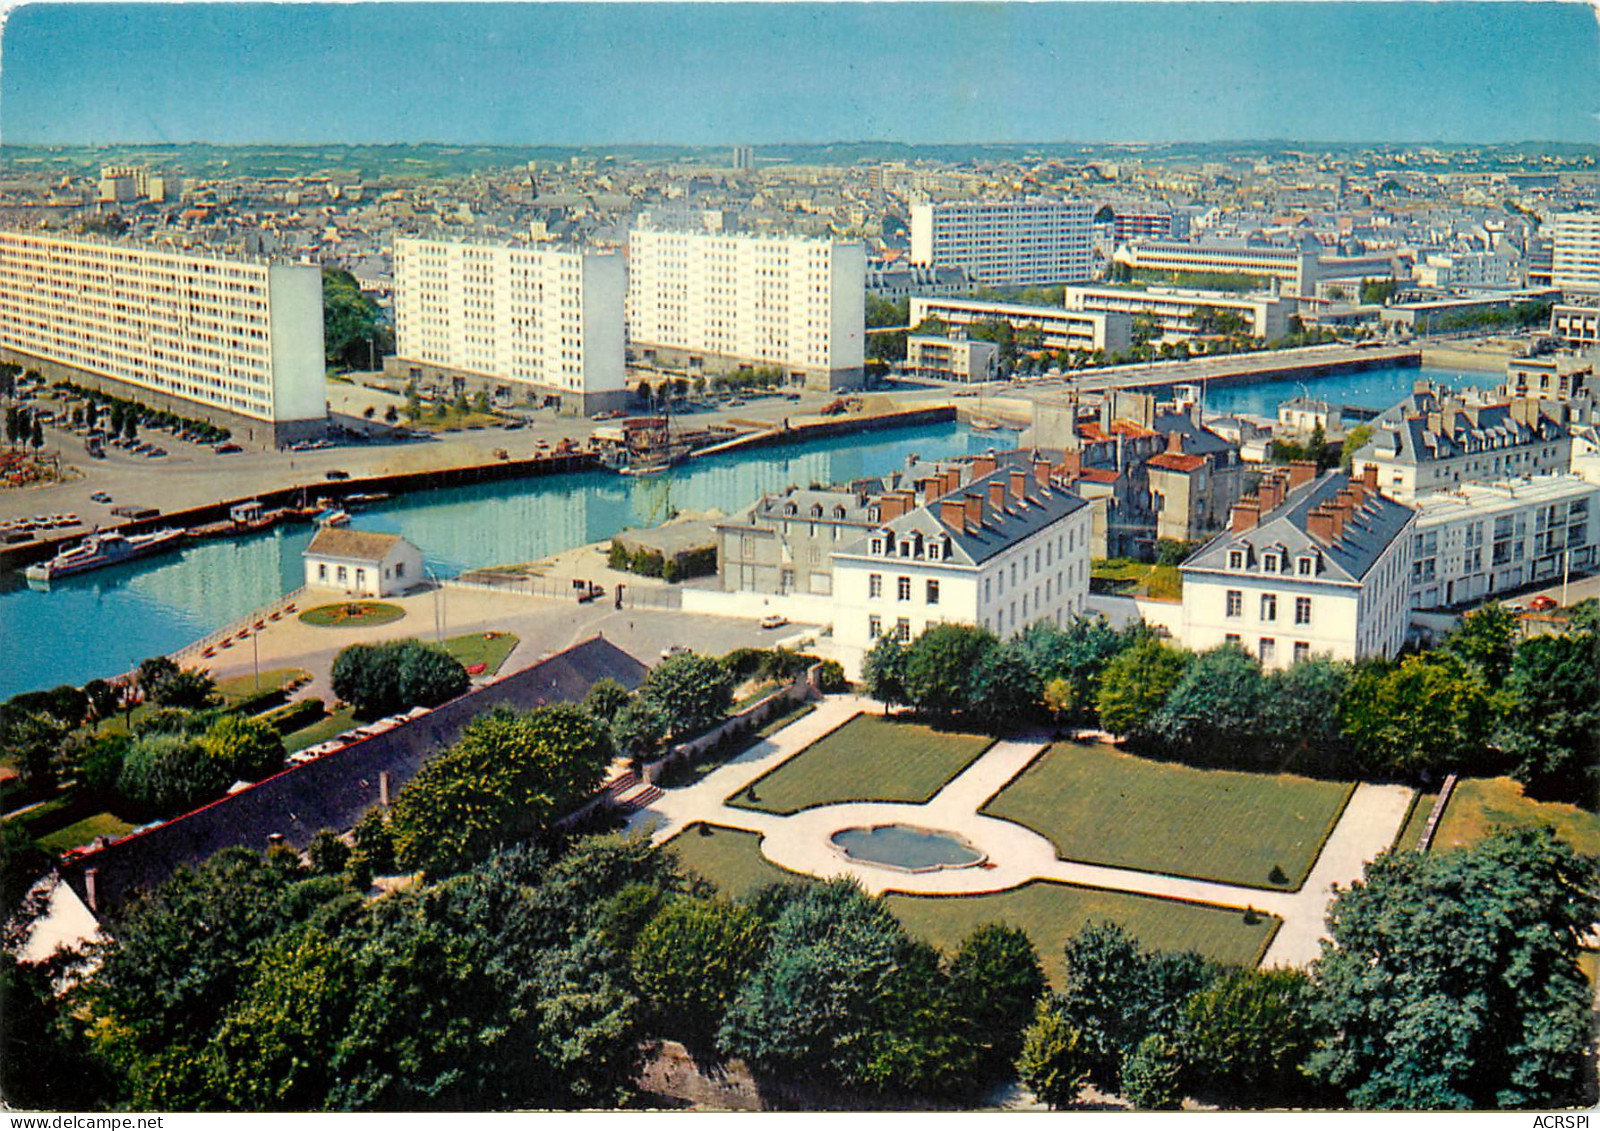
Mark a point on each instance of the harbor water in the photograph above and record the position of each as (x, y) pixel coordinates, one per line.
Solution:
(103, 623)
(1372, 388)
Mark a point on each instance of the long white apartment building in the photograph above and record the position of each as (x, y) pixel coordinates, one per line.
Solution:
(1575, 263)
(1175, 311)
(546, 322)
(714, 302)
(1061, 329)
(990, 545)
(1484, 539)
(1006, 242)
(1295, 270)
(1308, 567)
(237, 342)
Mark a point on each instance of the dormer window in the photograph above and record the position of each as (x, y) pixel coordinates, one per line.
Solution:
(838, 512)
(1306, 565)
(933, 551)
(790, 508)
(877, 545)
(905, 547)
(1269, 562)
(1235, 559)
(816, 510)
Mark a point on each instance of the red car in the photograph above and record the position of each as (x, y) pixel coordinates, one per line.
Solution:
(1542, 604)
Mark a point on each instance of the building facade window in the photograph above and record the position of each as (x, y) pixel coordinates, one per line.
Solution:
(933, 592)
(902, 589)
(1268, 649)
(1235, 603)
(874, 627)
(1302, 651)
(1302, 610)
(1269, 606)
(902, 630)
(1231, 638)
(874, 585)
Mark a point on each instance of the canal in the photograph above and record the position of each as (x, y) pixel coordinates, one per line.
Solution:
(103, 623)
(1371, 388)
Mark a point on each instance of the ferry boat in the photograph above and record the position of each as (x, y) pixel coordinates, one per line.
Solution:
(102, 549)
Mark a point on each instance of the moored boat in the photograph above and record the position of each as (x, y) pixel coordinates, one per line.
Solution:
(103, 549)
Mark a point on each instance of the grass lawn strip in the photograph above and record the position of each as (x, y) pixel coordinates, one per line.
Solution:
(488, 649)
(82, 832)
(1480, 805)
(868, 758)
(352, 614)
(1100, 806)
(1049, 912)
(238, 687)
(1416, 820)
(334, 725)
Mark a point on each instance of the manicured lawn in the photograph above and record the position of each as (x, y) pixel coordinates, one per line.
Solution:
(1129, 578)
(452, 420)
(1411, 831)
(1100, 806)
(680, 774)
(1479, 805)
(353, 614)
(335, 724)
(1049, 912)
(238, 687)
(869, 758)
(487, 648)
(82, 832)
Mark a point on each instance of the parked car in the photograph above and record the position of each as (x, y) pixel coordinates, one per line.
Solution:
(774, 621)
(227, 449)
(100, 497)
(335, 474)
(1542, 604)
(672, 650)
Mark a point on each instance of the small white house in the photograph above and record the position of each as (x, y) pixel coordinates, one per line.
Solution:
(360, 563)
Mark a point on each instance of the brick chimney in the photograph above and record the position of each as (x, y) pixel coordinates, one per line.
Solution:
(1246, 513)
(1358, 493)
(1301, 472)
(932, 487)
(1175, 442)
(1071, 465)
(952, 480)
(1270, 493)
(997, 497)
(1019, 483)
(1369, 476)
(974, 508)
(984, 465)
(891, 506)
(1319, 524)
(953, 513)
(1041, 474)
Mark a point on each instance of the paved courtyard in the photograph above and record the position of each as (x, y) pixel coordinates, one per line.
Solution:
(1016, 855)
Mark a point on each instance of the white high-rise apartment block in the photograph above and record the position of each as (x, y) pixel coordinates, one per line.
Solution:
(714, 302)
(1006, 242)
(545, 319)
(237, 342)
(1576, 262)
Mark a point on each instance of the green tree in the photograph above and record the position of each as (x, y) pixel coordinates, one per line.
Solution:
(690, 961)
(1054, 1062)
(505, 779)
(605, 699)
(1354, 441)
(1135, 684)
(1003, 691)
(1075, 653)
(1214, 710)
(103, 699)
(47, 1064)
(164, 774)
(22, 862)
(995, 979)
(1486, 639)
(1452, 979)
(883, 672)
(383, 679)
(188, 690)
(353, 332)
(1151, 1075)
(249, 748)
(1551, 725)
(1300, 714)
(1248, 1034)
(638, 728)
(940, 664)
(1378, 292)
(1431, 713)
(691, 691)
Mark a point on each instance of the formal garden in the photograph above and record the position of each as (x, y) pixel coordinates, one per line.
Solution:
(352, 614)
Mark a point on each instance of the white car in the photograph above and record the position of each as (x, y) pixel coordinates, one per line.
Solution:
(672, 650)
(774, 621)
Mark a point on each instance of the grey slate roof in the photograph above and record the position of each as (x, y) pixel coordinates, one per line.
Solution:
(1000, 530)
(1372, 527)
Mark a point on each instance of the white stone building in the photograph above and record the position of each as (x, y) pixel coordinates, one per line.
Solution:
(1177, 311)
(1310, 567)
(1006, 242)
(951, 359)
(235, 341)
(546, 321)
(1575, 265)
(1485, 539)
(1008, 547)
(1058, 327)
(361, 563)
(714, 302)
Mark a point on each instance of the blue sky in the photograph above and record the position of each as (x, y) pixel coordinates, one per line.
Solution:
(571, 74)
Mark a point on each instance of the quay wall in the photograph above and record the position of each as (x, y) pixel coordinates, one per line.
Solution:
(821, 429)
(1247, 369)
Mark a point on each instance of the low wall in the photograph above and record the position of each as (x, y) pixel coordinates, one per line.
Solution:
(844, 425)
(803, 689)
(802, 608)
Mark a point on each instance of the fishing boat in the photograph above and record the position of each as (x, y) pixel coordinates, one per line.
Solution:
(333, 516)
(365, 498)
(103, 549)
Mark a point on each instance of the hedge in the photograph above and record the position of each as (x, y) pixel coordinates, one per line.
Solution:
(293, 716)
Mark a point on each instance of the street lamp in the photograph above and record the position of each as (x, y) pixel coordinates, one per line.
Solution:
(438, 604)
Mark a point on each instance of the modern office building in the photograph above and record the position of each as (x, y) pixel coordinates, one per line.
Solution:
(985, 544)
(544, 322)
(1006, 242)
(1178, 312)
(237, 342)
(1294, 269)
(951, 359)
(713, 302)
(1061, 329)
(1309, 567)
(1576, 322)
(1146, 222)
(1575, 259)
(1485, 539)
